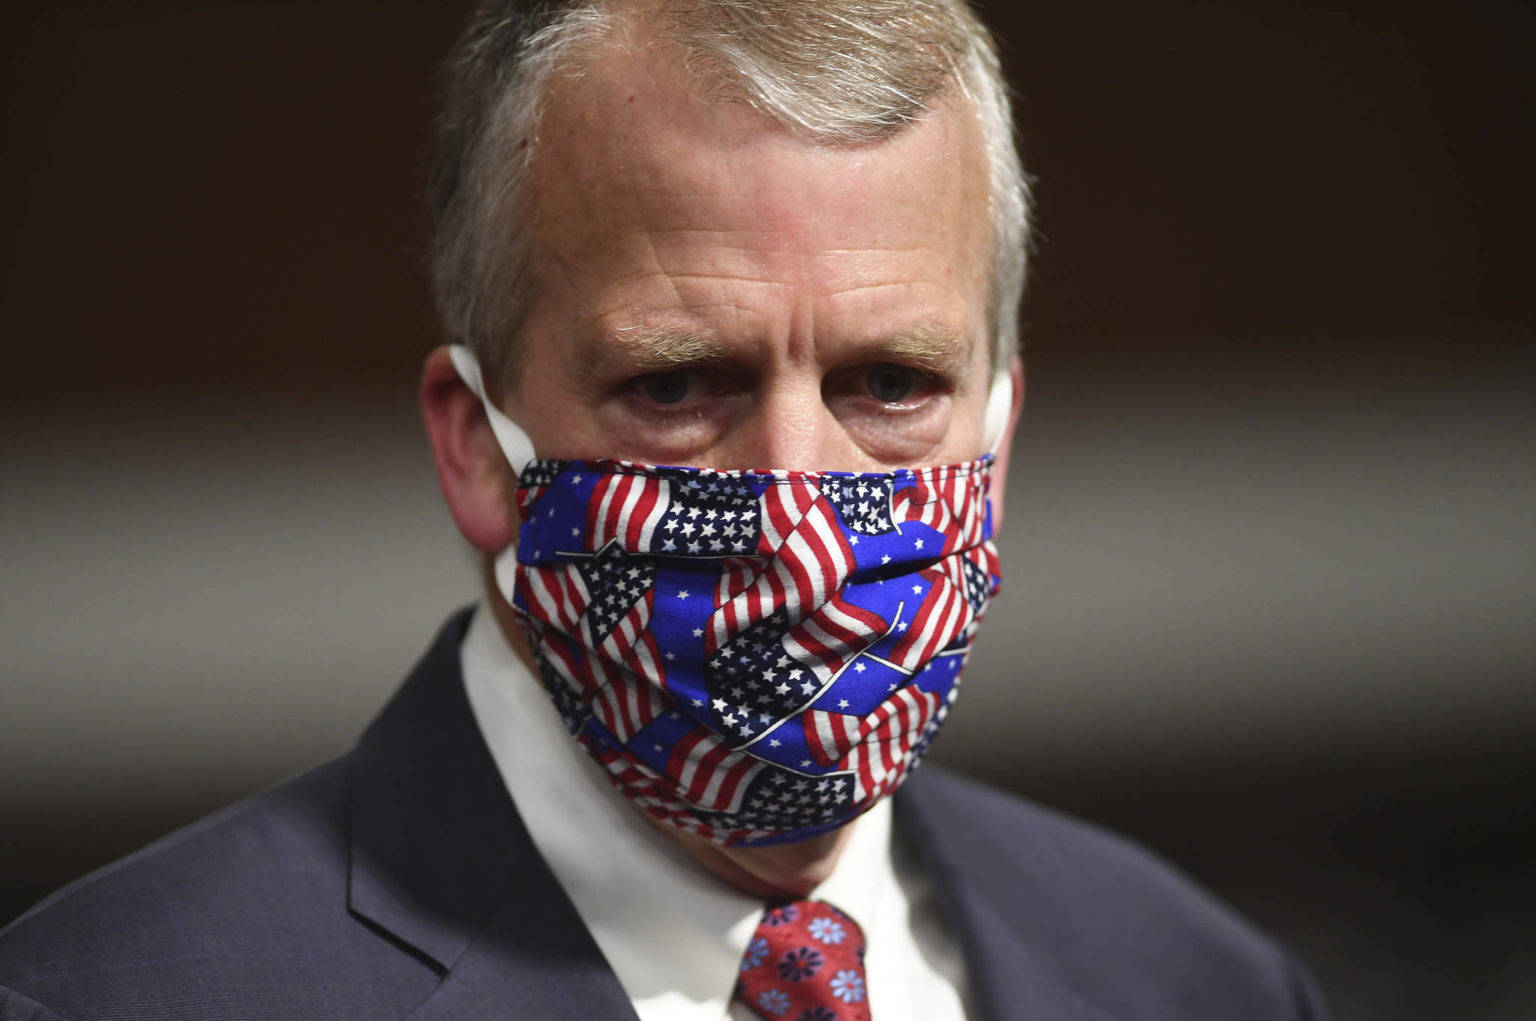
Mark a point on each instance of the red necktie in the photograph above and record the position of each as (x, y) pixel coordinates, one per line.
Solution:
(805, 963)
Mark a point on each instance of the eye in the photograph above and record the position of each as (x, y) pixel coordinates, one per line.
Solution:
(665, 387)
(892, 384)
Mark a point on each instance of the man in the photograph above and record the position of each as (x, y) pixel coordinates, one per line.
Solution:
(726, 236)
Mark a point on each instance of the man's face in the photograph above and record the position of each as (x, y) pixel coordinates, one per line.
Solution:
(713, 291)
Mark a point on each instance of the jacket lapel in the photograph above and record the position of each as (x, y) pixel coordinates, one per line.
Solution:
(1015, 956)
(441, 862)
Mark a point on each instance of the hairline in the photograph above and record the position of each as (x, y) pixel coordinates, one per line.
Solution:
(563, 45)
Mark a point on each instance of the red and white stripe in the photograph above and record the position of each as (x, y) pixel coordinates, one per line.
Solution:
(832, 636)
(736, 574)
(952, 503)
(624, 700)
(652, 792)
(780, 509)
(633, 672)
(649, 790)
(628, 508)
(884, 751)
(566, 657)
(631, 642)
(941, 617)
(620, 677)
(556, 593)
(813, 560)
(619, 695)
(709, 774)
(830, 735)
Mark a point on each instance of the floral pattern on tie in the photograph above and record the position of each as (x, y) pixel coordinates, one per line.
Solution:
(805, 963)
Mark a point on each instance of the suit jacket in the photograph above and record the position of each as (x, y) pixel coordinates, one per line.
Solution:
(398, 881)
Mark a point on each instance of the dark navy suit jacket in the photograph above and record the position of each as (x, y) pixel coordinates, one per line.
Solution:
(398, 881)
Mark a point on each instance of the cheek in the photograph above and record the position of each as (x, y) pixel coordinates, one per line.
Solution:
(900, 439)
(675, 437)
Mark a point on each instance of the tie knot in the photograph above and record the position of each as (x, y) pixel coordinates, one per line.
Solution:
(805, 962)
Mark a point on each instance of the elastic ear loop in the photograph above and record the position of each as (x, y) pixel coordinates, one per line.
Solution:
(514, 443)
(510, 437)
(999, 404)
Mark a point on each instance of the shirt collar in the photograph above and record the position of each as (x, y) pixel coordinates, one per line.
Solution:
(673, 933)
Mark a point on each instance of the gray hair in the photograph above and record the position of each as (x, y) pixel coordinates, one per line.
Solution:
(832, 71)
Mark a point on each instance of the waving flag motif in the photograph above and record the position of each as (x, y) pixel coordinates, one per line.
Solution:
(753, 655)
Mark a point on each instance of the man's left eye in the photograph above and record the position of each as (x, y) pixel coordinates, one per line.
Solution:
(892, 384)
(665, 387)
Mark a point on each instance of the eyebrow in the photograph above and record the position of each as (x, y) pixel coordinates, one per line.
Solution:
(928, 346)
(646, 349)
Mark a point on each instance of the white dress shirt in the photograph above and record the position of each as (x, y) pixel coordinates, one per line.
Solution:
(673, 932)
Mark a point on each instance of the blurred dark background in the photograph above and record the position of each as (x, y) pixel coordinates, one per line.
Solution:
(1269, 592)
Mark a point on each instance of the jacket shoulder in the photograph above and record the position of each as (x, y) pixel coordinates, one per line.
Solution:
(1129, 931)
(15, 1007)
(234, 915)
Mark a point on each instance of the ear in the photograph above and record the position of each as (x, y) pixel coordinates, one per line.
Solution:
(1005, 445)
(474, 476)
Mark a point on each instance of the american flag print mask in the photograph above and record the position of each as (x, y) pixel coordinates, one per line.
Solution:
(753, 656)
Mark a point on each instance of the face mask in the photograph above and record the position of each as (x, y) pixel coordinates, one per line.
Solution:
(753, 656)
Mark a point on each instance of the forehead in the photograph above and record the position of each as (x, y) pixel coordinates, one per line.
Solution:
(638, 169)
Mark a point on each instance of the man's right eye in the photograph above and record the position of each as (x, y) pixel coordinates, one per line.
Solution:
(665, 387)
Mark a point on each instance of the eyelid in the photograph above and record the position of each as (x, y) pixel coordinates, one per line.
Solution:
(930, 348)
(706, 384)
(938, 368)
(934, 380)
(717, 368)
(631, 381)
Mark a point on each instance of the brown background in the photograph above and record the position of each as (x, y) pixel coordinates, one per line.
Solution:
(220, 191)
(1268, 540)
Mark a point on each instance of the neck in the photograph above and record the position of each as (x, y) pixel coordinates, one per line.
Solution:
(782, 872)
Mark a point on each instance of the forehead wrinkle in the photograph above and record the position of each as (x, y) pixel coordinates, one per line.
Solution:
(681, 277)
